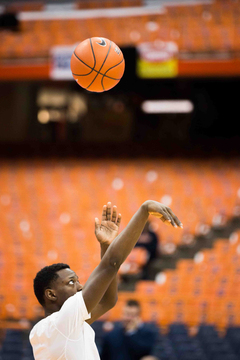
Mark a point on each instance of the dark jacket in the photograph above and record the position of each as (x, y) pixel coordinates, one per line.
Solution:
(118, 345)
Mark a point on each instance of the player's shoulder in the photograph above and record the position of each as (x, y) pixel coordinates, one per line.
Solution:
(41, 326)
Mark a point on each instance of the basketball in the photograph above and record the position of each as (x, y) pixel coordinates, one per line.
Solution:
(97, 64)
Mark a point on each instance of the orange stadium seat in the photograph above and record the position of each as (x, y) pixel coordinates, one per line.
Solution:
(134, 262)
(86, 4)
(25, 6)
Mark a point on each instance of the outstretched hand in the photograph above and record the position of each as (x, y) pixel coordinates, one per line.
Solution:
(107, 230)
(163, 212)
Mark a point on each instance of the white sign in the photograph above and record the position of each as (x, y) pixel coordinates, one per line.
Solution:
(158, 50)
(60, 57)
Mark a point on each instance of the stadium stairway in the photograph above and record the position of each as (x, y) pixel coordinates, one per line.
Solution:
(198, 243)
(181, 251)
(200, 290)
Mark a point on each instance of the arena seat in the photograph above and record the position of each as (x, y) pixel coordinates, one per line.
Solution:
(134, 262)
(16, 7)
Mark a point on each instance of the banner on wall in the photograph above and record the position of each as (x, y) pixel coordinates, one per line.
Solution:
(60, 57)
(158, 59)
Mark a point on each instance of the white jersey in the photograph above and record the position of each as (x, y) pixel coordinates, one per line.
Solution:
(64, 335)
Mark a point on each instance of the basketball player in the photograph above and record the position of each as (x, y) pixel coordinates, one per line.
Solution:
(65, 334)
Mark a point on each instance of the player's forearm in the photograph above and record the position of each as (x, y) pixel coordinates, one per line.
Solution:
(110, 297)
(126, 240)
(104, 248)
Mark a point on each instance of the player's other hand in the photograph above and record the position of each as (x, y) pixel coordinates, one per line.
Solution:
(107, 230)
(163, 212)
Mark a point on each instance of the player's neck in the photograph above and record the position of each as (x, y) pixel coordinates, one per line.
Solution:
(52, 308)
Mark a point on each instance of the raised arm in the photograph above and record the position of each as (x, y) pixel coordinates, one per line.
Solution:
(106, 232)
(120, 248)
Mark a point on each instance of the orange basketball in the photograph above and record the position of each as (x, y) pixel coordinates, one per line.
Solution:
(97, 64)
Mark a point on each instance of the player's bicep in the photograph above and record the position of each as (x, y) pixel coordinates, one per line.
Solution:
(97, 285)
(97, 312)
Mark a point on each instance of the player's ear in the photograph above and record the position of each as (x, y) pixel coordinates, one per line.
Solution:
(50, 294)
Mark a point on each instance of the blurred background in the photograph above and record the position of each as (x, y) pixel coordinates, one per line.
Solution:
(169, 131)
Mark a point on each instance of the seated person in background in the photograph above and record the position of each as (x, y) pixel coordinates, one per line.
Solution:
(132, 339)
(149, 241)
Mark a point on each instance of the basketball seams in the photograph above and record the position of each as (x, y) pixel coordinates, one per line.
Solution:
(109, 48)
(90, 66)
(109, 77)
(94, 58)
(104, 75)
(84, 64)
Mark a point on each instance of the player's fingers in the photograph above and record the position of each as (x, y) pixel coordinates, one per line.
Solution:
(109, 210)
(97, 224)
(175, 218)
(104, 213)
(119, 219)
(166, 216)
(161, 214)
(170, 218)
(114, 213)
(166, 221)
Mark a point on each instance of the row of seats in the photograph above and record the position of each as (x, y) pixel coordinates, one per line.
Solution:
(175, 343)
(95, 4)
(209, 28)
(47, 212)
(15, 345)
(81, 4)
(206, 289)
